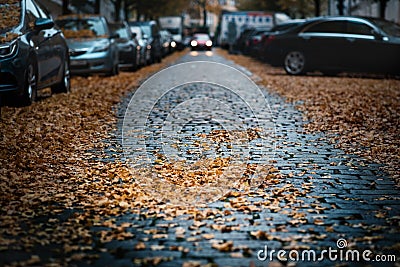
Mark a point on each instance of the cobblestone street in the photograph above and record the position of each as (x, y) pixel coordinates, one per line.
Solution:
(337, 196)
(279, 187)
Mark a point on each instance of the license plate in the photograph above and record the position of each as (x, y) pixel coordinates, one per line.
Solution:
(78, 63)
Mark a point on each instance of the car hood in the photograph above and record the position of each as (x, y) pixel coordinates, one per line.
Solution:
(85, 43)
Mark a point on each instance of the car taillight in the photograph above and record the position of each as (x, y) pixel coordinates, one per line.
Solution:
(270, 39)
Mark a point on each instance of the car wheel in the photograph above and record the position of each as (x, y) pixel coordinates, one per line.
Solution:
(295, 63)
(30, 86)
(65, 85)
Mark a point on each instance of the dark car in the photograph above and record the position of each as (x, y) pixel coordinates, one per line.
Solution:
(260, 41)
(201, 41)
(167, 41)
(145, 48)
(33, 52)
(151, 32)
(128, 47)
(92, 48)
(336, 44)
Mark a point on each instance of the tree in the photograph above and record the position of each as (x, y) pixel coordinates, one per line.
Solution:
(340, 7)
(65, 9)
(260, 5)
(317, 6)
(298, 8)
(382, 7)
(152, 9)
(117, 7)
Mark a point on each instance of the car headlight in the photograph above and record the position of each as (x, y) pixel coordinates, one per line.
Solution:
(209, 43)
(173, 44)
(9, 49)
(101, 48)
(193, 43)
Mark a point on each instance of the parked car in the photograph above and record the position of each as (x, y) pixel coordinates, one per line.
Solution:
(151, 32)
(168, 43)
(145, 48)
(201, 41)
(33, 53)
(128, 46)
(336, 44)
(260, 46)
(252, 38)
(92, 48)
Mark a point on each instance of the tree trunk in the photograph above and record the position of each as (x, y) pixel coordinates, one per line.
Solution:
(340, 7)
(97, 7)
(117, 7)
(317, 4)
(65, 4)
(204, 16)
(382, 8)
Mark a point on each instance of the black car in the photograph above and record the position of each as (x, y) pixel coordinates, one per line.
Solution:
(336, 44)
(152, 34)
(33, 52)
(128, 46)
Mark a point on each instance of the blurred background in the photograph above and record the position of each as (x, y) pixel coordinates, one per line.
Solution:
(207, 13)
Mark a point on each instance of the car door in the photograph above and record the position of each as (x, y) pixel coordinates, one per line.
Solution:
(42, 46)
(57, 45)
(367, 49)
(323, 44)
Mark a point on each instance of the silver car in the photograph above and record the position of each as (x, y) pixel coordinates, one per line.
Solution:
(92, 49)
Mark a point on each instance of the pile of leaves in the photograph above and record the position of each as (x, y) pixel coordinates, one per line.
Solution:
(10, 14)
(46, 168)
(361, 114)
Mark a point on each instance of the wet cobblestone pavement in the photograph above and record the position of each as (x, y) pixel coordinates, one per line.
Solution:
(314, 197)
(322, 195)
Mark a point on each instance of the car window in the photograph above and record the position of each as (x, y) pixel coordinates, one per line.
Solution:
(122, 32)
(41, 12)
(31, 11)
(388, 27)
(146, 30)
(327, 27)
(138, 32)
(354, 27)
(202, 37)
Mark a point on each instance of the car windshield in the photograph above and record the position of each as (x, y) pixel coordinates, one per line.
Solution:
(146, 30)
(83, 27)
(388, 27)
(10, 15)
(202, 37)
(122, 32)
(138, 32)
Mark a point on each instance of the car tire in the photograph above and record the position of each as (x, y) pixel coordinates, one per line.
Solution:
(65, 85)
(29, 93)
(295, 63)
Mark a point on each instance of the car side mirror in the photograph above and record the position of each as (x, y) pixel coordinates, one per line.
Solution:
(43, 23)
(134, 35)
